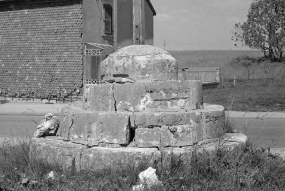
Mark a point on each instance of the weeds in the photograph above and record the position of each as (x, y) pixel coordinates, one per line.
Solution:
(244, 168)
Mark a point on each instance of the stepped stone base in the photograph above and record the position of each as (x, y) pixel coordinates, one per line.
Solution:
(79, 157)
(145, 129)
(144, 95)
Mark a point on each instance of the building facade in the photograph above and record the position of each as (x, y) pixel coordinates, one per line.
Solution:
(51, 47)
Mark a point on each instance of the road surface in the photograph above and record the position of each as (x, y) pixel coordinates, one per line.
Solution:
(18, 126)
(264, 132)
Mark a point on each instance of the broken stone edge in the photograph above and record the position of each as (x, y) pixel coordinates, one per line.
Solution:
(144, 129)
(79, 157)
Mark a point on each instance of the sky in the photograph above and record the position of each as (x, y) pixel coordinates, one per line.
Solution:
(198, 24)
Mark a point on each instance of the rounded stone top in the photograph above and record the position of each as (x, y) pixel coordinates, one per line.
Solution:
(140, 62)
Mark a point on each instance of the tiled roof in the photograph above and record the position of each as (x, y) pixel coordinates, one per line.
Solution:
(41, 49)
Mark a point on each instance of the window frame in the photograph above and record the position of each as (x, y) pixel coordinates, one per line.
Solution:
(104, 20)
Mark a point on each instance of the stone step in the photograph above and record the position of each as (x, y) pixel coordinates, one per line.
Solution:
(153, 128)
(144, 95)
(79, 157)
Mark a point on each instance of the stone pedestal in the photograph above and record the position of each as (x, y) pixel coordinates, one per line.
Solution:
(133, 122)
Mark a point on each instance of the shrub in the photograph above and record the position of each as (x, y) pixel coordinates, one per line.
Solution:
(244, 61)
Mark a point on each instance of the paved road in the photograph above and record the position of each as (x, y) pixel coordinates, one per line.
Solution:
(18, 126)
(264, 132)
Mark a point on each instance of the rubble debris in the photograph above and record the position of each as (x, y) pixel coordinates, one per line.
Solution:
(52, 175)
(48, 126)
(147, 178)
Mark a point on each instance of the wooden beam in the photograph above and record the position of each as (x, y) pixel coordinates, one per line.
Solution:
(137, 12)
(115, 24)
(142, 29)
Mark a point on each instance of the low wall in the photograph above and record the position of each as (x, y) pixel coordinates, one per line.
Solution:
(205, 74)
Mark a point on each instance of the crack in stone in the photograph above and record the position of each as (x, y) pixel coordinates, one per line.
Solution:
(69, 128)
(113, 95)
(212, 119)
(171, 99)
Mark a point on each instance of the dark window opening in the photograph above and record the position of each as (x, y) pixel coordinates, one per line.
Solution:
(108, 19)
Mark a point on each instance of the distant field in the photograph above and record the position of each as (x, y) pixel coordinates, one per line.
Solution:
(249, 95)
(222, 59)
(213, 58)
(263, 91)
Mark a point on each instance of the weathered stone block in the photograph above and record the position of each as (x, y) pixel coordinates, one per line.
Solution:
(151, 119)
(78, 157)
(55, 151)
(147, 95)
(111, 128)
(213, 121)
(128, 96)
(99, 97)
(66, 120)
(141, 62)
(144, 95)
(155, 137)
(98, 157)
(154, 129)
(75, 122)
(94, 127)
(171, 136)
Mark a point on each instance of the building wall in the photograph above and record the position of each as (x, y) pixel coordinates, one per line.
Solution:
(41, 42)
(149, 26)
(41, 46)
(125, 23)
(92, 22)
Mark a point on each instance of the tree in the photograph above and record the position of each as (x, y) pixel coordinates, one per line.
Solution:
(264, 28)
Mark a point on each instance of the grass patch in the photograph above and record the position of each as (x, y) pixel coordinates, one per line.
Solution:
(260, 84)
(266, 95)
(245, 168)
(209, 58)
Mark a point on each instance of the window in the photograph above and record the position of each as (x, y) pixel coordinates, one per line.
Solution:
(108, 19)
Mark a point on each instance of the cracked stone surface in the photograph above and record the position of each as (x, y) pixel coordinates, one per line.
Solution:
(140, 62)
(76, 156)
(144, 95)
(93, 127)
(80, 157)
(147, 128)
(100, 97)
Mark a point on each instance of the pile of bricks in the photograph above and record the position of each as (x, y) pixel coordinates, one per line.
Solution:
(40, 48)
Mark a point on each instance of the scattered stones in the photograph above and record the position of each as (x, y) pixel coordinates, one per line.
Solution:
(147, 178)
(52, 175)
(48, 126)
(25, 180)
